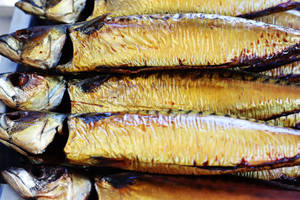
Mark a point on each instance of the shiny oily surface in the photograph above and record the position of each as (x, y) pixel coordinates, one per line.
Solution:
(30, 91)
(179, 143)
(67, 11)
(227, 92)
(274, 174)
(221, 7)
(152, 187)
(29, 132)
(51, 183)
(137, 43)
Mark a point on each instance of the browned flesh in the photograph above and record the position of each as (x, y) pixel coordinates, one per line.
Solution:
(151, 187)
(179, 143)
(147, 42)
(227, 92)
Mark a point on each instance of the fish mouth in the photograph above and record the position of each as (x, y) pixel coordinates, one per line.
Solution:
(30, 132)
(10, 47)
(22, 182)
(29, 6)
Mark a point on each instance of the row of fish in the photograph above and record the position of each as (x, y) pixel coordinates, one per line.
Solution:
(153, 42)
(70, 11)
(220, 91)
(64, 184)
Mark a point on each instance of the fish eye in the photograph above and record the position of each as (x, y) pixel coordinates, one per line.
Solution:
(18, 79)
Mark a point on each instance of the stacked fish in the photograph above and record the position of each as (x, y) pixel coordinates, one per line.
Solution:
(160, 90)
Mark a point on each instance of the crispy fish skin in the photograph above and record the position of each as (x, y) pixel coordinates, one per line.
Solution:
(128, 186)
(30, 91)
(38, 47)
(51, 183)
(179, 143)
(29, 132)
(292, 120)
(136, 43)
(232, 93)
(66, 11)
(274, 174)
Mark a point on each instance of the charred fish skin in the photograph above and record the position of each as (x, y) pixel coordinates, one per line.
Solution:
(30, 132)
(291, 120)
(130, 186)
(38, 47)
(138, 43)
(65, 11)
(31, 91)
(48, 183)
(241, 94)
(179, 143)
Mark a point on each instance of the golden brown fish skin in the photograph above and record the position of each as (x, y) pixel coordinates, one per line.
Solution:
(38, 47)
(29, 132)
(136, 43)
(223, 91)
(66, 11)
(128, 186)
(274, 174)
(51, 183)
(248, 9)
(291, 120)
(179, 143)
(31, 91)
(289, 19)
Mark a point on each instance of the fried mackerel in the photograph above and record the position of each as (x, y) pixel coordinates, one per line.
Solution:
(43, 183)
(66, 11)
(164, 142)
(233, 93)
(69, 10)
(129, 186)
(136, 43)
(31, 91)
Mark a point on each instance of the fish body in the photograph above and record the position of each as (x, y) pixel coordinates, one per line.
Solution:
(45, 183)
(152, 42)
(29, 132)
(179, 143)
(66, 11)
(38, 47)
(128, 186)
(232, 93)
(31, 91)
(291, 120)
(289, 71)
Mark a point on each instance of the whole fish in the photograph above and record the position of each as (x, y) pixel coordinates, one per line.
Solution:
(69, 10)
(43, 183)
(178, 143)
(31, 91)
(66, 11)
(222, 91)
(129, 186)
(152, 42)
(29, 132)
(169, 142)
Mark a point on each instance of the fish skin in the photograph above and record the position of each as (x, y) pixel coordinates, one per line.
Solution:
(139, 43)
(156, 142)
(38, 47)
(51, 183)
(65, 11)
(288, 72)
(222, 91)
(129, 186)
(291, 120)
(30, 132)
(31, 91)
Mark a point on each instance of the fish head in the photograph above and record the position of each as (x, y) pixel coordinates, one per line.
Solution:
(30, 91)
(30, 132)
(38, 47)
(66, 11)
(53, 182)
